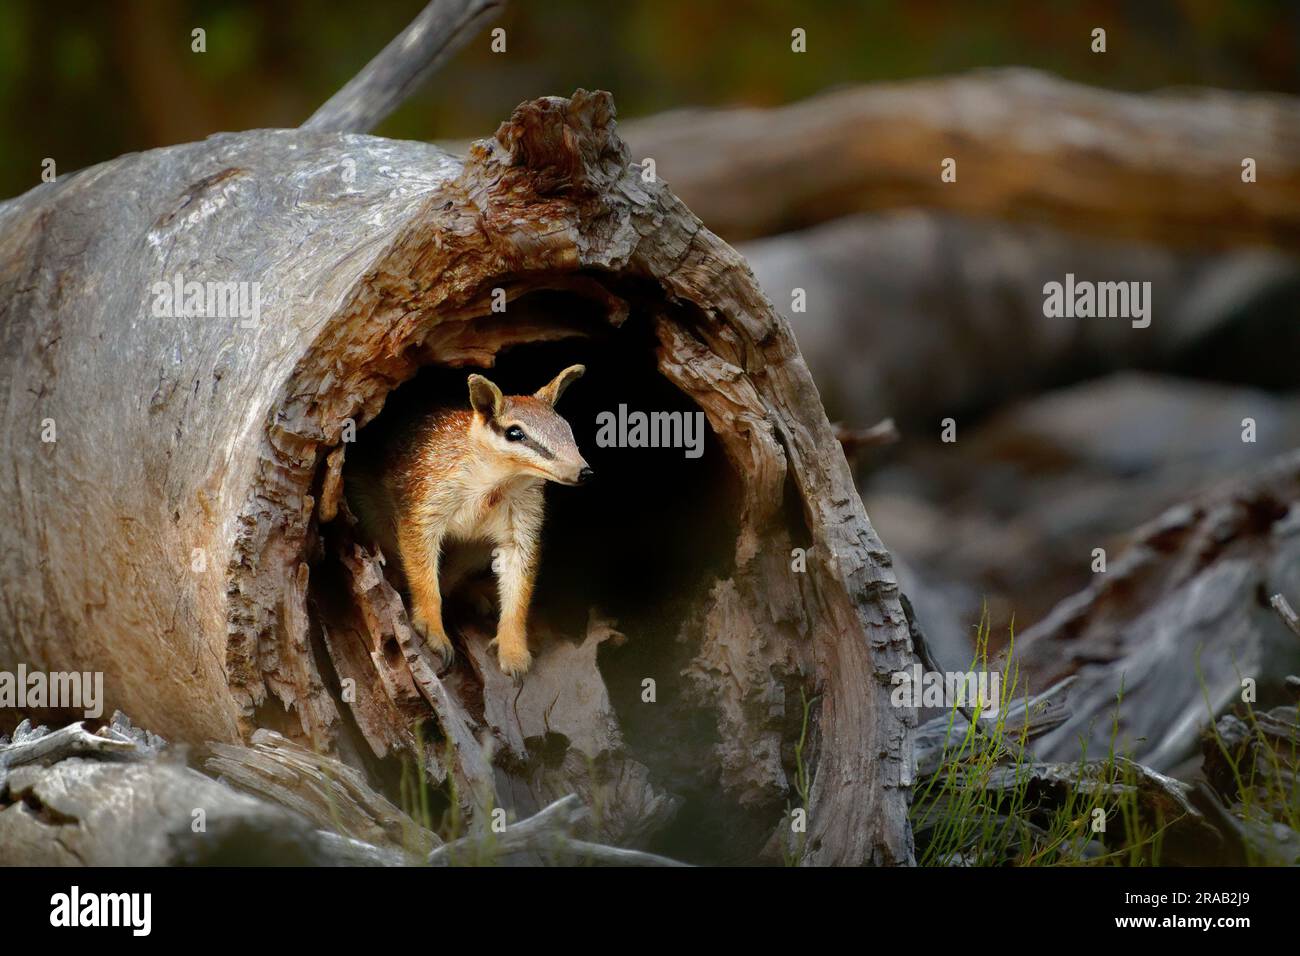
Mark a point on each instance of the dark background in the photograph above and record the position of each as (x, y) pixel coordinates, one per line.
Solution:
(83, 82)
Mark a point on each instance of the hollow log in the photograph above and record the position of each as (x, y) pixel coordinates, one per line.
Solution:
(177, 518)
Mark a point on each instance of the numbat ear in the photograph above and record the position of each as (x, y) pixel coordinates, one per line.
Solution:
(484, 397)
(550, 393)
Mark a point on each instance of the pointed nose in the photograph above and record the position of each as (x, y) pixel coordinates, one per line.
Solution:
(585, 476)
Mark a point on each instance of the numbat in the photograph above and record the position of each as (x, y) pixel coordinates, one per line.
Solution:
(473, 477)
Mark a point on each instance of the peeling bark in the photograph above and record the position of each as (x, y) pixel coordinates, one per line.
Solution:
(375, 259)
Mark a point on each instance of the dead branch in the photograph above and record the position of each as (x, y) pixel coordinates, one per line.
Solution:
(545, 837)
(1286, 612)
(406, 64)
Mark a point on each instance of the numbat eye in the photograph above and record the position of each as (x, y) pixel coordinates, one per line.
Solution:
(514, 433)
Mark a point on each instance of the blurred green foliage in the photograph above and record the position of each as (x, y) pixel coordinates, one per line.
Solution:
(83, 82)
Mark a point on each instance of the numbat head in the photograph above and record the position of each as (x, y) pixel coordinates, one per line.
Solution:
(520, 435)
(470, 477)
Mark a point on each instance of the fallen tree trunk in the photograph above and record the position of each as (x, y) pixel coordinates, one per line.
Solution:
(173, 529)
(110, 798)
(1028, 145)
(1178, 627)
(115, 797)
(963, 299)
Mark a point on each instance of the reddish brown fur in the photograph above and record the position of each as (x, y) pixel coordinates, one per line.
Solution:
(456, 477)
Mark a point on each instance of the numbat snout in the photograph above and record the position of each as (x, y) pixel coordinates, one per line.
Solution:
(471, 476)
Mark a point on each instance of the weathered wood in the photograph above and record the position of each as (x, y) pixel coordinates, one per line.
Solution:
(962, 299)
(1166, 635)
(1160, 802)
(1251, 769)
(30, 745)
(565, 697)
(546, 837)
(1286, 612)
(1020, 797)
(942, 735)
(1028, 145)
(402, 67)
(200, 599)
(332, 795)
(116, 797)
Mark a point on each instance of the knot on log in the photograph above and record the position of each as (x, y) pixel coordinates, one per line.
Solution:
(566, 146)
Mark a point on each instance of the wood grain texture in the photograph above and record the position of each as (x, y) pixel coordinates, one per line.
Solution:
(1177, 621)
(1028, 145)
(375, 258)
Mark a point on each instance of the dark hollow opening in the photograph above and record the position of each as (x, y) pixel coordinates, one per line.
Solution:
(642, 542)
